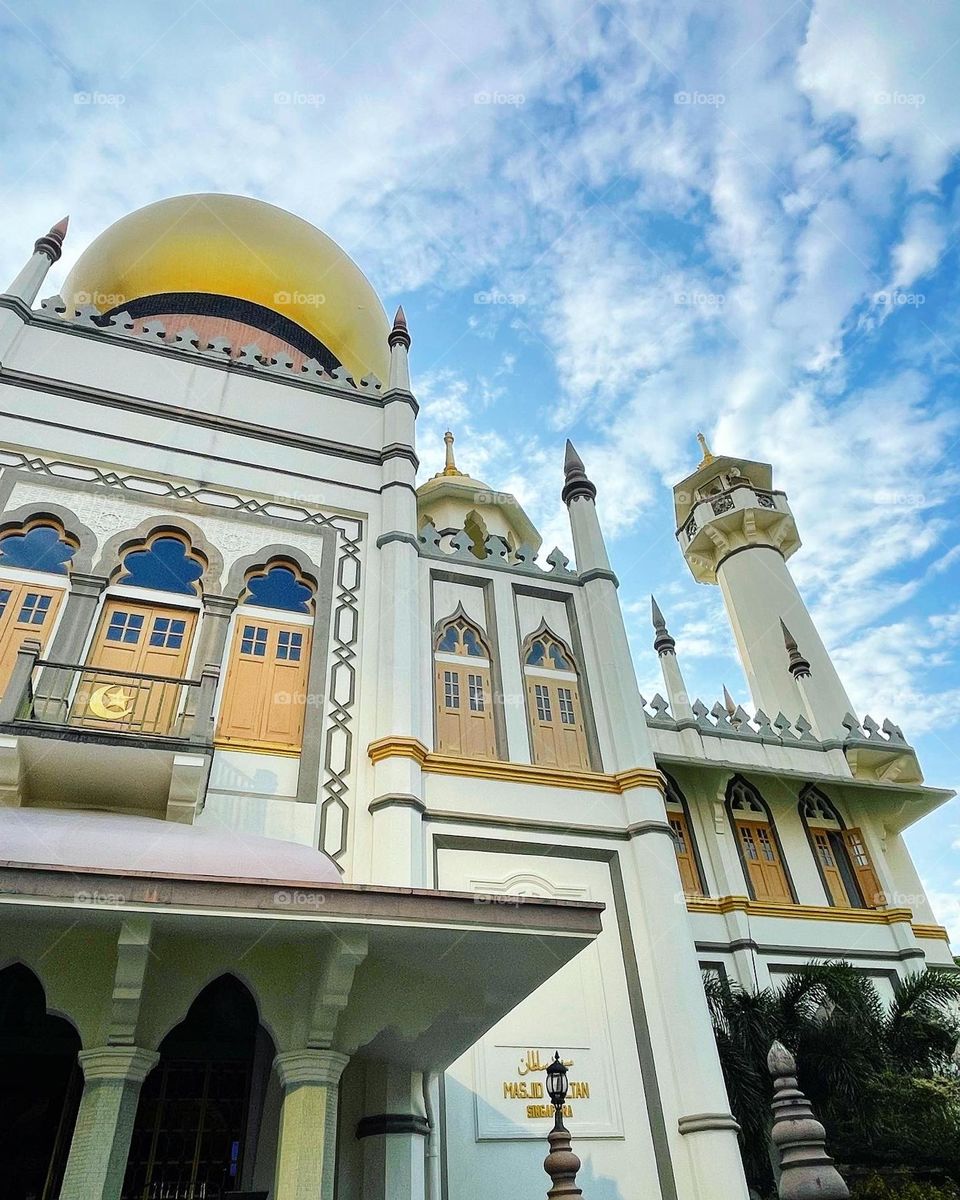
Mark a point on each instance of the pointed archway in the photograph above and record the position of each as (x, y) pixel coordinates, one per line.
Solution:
(196, 1125)
(40, 1086)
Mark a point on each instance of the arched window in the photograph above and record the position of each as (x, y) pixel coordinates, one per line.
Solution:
(165, 563)
(760, 851)
(462, 691)
(841, 854)
(678, 815)
(268, 671)
(40, 545)
(554, 709)
(29, 609)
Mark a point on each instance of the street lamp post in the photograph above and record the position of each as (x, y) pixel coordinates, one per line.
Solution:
(561, 1164)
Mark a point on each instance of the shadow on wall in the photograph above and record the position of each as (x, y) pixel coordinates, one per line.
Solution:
(505, 1167)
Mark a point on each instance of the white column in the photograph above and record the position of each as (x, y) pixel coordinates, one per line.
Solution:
(46, 251)
(310, 1081)
(112, 1078)
(666, 649)
(393, 1133)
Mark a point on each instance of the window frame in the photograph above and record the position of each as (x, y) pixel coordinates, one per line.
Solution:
(762, 817)
(676, 796)
(844, 867)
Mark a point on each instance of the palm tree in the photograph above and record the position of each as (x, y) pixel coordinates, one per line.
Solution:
(881, 1078)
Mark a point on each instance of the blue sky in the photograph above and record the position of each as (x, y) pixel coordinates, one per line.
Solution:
(619, 223)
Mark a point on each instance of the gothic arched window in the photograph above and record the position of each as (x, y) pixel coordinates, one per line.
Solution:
(678, 816)
(760, 852)
(268, 672)
(554, 708)
(841, 854)
(165, 563)
(462, 692)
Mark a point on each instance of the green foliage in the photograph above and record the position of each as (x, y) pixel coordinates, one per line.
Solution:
(875, 1187)
(882, 1081)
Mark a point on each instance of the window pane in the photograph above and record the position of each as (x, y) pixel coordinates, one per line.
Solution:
(680, 842)
(451, 689)
(254, 640)
(4, 599)
(544, 712)
(278, 588)
(165, 566)
(567, 715)
(471, 645)
(476, 692)
(40, 549)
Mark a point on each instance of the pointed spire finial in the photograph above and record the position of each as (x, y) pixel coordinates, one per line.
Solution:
(663, 643)
(707, 455)
(728, 702)
(51, 244)
(576, 484)
(399, 334)
(797, 665)
(449, 464)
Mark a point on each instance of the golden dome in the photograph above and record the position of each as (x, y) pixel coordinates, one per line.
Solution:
(213, 245)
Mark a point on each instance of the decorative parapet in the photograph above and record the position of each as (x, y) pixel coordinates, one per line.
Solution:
(874, 751)
(729, 520)
(187, 341)
(458, 546)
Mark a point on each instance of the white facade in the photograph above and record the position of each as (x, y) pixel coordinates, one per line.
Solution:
(118, 434)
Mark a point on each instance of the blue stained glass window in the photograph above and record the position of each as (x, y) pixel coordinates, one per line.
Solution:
(536, 656)
(39, 549)
(4, 599)
(254, 640)
(125, 627)
(557, 658)
(289, 645)
(166, 566)
(168, 633)
(278, 588)
(450, 642)
(34, 609)
(471, 645)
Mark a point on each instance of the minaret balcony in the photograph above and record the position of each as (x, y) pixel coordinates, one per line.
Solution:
(74, 736)
(732, 519)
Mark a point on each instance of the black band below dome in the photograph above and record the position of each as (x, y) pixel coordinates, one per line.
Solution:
(229, 308)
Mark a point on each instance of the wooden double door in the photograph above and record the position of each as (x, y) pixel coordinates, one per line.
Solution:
(265, 691)
(137, 648)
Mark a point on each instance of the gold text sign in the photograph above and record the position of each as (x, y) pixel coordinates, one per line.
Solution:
(533, 1089)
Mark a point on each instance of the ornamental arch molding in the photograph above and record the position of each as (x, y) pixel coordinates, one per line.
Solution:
(117, 546)
(85, 538)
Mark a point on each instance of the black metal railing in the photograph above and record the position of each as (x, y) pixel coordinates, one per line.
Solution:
(77, 696)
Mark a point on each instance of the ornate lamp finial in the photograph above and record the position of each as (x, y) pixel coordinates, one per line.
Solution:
(561, 1164)
(806, 1169)
(707, 456)
(399, 334)
(51, 244)
(798, 666)
(663, 643)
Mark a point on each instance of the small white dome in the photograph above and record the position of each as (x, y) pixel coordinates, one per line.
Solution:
(118, 843)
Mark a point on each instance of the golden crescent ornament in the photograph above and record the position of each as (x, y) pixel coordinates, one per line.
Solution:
(110, 702)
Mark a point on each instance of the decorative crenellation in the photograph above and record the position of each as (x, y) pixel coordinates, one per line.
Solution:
(189, 341)
(459, 546)
(728, 720)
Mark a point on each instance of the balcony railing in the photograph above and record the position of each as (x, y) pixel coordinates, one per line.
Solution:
(113, 702)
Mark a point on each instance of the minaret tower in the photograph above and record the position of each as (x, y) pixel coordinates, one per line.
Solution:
(46, 251)
(735, 530)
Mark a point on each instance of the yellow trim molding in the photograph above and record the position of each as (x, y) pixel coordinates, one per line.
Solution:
(507, 772)
(931, 931)
(813, 912)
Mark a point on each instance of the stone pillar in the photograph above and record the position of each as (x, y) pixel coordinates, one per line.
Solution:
(806, 1169)
(79, 611)
(310, 1081)
(397, 841)
(211, 644)
(394, 1132)
(112, 1077)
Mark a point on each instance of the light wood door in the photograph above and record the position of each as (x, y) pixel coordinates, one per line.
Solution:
(265, 695)
(827, 858)
(144, 640)
(26, 612)
(869, 884)
(762, 858)
(686, 859)
(464, 712)
(556, 719)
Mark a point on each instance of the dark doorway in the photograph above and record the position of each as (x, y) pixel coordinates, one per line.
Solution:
(191, 1121)
(40, 1087)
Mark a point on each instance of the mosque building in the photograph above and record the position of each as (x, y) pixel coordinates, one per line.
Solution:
(329, 806)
